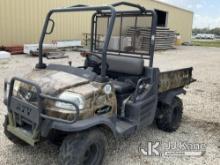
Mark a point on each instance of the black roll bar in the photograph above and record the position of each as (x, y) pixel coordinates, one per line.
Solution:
(79, 5)
(141, 11)
(76, 8)
(98, 10)
(153, 37)
(141, 8)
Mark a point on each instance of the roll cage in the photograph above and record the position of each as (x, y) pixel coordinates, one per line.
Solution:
(103, 11)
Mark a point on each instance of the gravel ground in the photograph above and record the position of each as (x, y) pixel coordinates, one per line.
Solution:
(201, 120)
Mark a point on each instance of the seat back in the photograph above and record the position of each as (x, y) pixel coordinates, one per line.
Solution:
(126, 65)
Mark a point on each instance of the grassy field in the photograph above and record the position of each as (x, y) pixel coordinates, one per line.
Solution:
(206, 43)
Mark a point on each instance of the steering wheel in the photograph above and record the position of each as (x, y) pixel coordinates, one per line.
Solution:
(96, 63)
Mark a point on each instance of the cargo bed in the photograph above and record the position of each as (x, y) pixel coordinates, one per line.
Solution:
(175, 79)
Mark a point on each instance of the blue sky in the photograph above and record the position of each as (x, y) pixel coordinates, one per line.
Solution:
(206, 12)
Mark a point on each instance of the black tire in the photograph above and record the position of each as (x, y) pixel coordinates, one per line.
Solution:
(170, 116)
(56, 137)
(86, 148)
(10, 136)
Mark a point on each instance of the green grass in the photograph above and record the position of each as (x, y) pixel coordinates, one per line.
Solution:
(206, 43)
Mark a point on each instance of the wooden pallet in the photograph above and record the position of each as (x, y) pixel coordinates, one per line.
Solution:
(165, 38)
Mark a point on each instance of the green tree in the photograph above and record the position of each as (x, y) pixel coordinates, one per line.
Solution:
(215, 31)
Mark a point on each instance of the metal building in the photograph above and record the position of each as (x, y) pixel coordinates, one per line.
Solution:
(21, 21)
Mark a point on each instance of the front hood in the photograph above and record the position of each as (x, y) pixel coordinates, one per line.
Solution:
(54, 82)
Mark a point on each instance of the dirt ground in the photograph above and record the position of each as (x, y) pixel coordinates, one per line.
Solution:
(201, 119)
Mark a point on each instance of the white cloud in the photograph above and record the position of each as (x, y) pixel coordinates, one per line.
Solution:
(199, 6)
(189, 6)
(205, 21)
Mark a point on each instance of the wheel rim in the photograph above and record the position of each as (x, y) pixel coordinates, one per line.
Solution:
(91, 155)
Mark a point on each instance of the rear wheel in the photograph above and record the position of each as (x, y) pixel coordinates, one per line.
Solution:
(86, 148)
(170, 116)
(10, 136)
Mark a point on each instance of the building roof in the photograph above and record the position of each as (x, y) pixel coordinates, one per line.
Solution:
(167, 4)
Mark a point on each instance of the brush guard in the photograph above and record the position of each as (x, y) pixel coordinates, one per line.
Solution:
(25, 118)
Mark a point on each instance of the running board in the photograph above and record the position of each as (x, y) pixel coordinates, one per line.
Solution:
(125, 128)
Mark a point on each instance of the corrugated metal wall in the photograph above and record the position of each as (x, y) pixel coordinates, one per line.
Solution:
(21, 21)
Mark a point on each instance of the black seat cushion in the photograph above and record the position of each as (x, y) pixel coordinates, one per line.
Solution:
(122, 87)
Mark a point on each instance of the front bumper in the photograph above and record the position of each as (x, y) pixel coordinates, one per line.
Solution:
(22, 134)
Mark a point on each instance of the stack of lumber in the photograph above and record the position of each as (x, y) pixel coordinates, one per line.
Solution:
(165, 38)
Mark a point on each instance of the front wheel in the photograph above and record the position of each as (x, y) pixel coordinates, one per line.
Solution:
(170, 116)
(86, 148)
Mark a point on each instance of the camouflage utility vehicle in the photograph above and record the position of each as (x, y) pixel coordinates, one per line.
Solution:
(117, 90)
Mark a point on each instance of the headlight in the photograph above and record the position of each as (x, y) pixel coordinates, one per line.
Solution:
(16, 87)
(7, 87)
(73, 97)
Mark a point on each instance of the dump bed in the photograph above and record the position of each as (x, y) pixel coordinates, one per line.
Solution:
(175, 79)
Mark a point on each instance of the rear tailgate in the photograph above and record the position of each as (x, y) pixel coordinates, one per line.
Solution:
(175, 79)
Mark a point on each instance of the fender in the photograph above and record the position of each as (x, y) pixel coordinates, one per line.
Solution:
(80, 125)
(168, 96)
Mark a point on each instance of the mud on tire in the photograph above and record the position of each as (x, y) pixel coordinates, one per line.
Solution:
(10, 136)
(83, 148)
(169, 116)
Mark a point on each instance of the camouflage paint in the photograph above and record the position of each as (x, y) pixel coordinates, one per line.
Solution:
(175, 79)
(55, 82)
